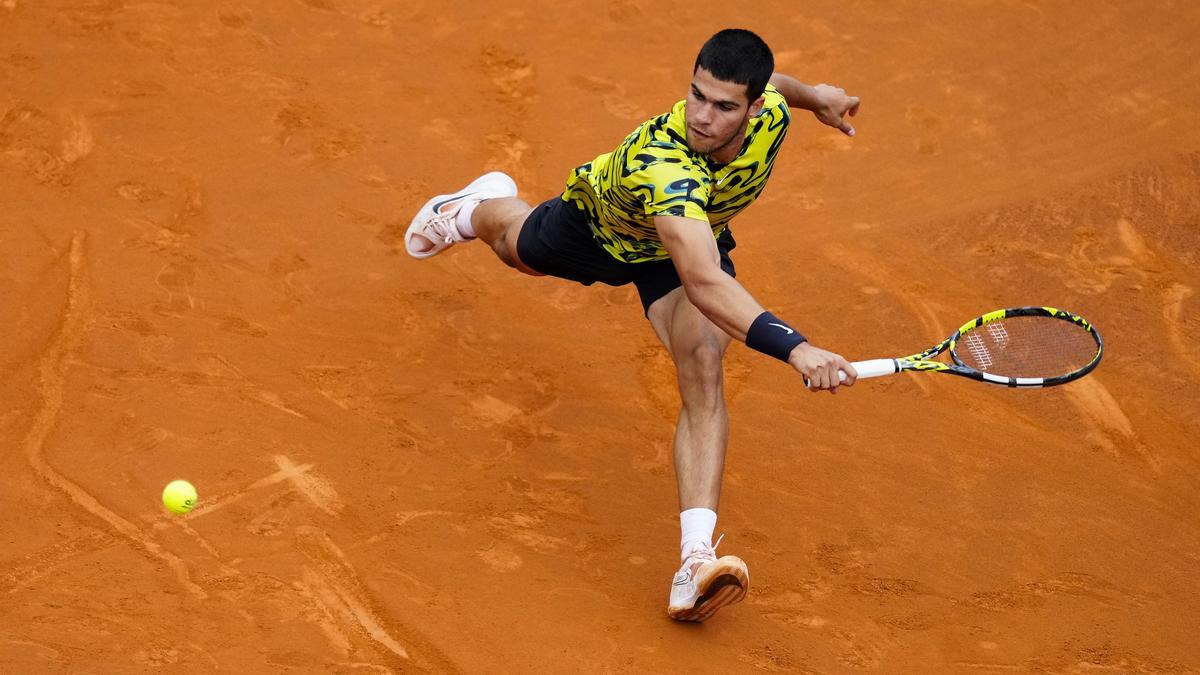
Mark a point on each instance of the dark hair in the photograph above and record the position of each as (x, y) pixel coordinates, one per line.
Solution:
(737, 55)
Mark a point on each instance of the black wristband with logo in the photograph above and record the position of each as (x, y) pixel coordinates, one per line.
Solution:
(771, 336)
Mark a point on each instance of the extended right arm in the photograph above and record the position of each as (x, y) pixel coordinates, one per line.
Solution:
(728, 304)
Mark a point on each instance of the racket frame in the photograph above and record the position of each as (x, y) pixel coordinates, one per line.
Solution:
(922, 361)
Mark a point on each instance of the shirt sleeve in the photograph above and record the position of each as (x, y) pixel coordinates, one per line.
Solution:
(775, 109)
(667, 182)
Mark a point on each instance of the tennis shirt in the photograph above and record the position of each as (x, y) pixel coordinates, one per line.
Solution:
(653, 172)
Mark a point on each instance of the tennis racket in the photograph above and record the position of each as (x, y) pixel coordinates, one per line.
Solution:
(1018, 347)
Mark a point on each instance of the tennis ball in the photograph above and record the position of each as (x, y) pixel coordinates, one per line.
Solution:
(179, 496)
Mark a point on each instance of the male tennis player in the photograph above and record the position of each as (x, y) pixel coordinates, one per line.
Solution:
(655, 212)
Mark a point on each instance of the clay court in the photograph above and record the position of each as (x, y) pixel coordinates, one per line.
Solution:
(445, 466)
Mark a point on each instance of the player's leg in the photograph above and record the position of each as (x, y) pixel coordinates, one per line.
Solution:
(498, 222)
(697, 348)
(704, 583)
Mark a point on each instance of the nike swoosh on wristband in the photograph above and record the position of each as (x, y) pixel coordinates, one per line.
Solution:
(789, 330)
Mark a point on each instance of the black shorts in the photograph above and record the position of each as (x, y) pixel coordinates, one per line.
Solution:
(556, 240)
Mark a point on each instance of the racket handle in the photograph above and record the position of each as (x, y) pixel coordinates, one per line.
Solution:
(872, 368)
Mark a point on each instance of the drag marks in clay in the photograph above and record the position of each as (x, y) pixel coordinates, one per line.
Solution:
(349, 611)
(52, 367)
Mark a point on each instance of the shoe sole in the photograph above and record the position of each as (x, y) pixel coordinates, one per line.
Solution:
(726, 587)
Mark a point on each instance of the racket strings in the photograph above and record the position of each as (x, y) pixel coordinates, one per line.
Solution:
(1027, 346)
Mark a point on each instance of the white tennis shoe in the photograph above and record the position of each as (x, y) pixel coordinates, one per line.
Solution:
(706, 583)
(433, 229)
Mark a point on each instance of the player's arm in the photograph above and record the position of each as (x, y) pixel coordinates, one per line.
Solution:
(731, 307)
(830, 104)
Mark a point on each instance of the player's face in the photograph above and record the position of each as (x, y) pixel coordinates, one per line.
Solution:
(717, 114)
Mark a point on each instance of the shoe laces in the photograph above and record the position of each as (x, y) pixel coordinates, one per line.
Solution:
(443, 226)
(702, 552)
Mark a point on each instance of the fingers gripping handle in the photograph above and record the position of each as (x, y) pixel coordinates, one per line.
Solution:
(873, 368)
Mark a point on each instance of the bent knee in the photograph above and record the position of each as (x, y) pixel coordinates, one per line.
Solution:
(701, 362)
(507, 247)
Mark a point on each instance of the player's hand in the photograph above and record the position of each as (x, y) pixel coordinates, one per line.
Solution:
(834, 105)
(820, 368)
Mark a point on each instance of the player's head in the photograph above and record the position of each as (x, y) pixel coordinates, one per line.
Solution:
(739, 56)
(728, 80)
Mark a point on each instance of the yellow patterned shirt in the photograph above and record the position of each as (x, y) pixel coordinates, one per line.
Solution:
(654, 173)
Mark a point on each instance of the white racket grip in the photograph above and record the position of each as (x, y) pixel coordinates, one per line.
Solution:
(872, 368)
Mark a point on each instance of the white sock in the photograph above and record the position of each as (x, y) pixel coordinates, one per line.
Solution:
(697, 526)
(462, 221)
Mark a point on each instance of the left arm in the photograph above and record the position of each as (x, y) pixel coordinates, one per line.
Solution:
(830, 104)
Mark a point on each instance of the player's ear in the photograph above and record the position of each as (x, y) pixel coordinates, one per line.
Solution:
(756, 106)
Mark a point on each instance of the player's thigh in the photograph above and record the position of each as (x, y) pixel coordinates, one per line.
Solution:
(556, 240)
(679, 324)
(513, 213)
(510, 239)
(661, 315)
(683, 329)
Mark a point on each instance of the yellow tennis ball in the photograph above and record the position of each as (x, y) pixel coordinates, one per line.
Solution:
(179, 496)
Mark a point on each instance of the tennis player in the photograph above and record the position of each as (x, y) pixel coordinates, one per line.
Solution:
(655, 212)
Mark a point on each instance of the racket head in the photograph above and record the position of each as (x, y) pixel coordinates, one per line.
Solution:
(1027, 347)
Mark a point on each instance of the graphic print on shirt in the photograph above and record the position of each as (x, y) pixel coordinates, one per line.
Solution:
(654, 173)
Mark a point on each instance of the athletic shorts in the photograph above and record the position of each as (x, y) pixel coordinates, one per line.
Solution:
(556, 241)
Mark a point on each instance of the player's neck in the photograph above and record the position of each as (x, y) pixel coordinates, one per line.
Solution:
(728, 152)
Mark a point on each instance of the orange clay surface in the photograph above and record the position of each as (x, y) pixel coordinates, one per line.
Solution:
(447, 466)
